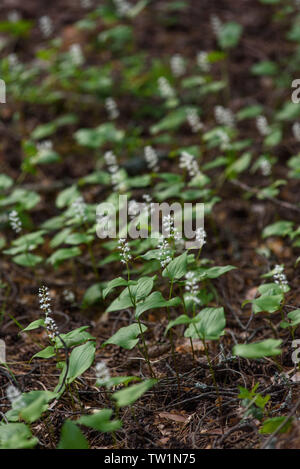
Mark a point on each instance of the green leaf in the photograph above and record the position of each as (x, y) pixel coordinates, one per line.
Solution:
(117, 380)
(289, 112)
(26, 199)
(274, 138)
(67, 196)
(95, 138)
(116, 282)
(75, 337)
(81, 358)
(230, 35)
(34, 325)
(294, 317)
(27, 259)
(72, 437)
(249, 112)
(177, 268)
(131, 394)
(62, 255)
(30, 406)
(209, 326)
(182, 319)
(280, 228)
(271, 425)
(265, 67)
(100, 421)
(126, 337)
(78, 238)
(143, 288)
(155, 300)
(30, 241)
(270, 2)
(172, 121)
(124, 301)
(47, 352)
(240, 165)
(5, 182)
(92, 296)
(267, 303)
(60, 238)
(214, 272)
(265, 348)
(37, 406)
(16, 436)
(97, 177)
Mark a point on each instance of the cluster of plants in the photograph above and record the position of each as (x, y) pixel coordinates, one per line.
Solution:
(157, 129)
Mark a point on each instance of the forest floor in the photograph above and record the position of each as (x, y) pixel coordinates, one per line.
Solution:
(164, 417)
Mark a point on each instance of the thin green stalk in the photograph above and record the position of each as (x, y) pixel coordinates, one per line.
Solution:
(146, 350)
(214, 381)
(146, 354)
(172, 342)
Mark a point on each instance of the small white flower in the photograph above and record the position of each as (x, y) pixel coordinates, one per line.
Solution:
(118, 180)
(202, 61)
(296, 130)
(118, 177)
(151, 158)
(79, 208)
(86, 3)
(224, 139)
(165, 89)
(147, 198)
(216, 25)
(177, 65)
(224, 116)
(265, 167)
(262, 126)
(43, 148)
(279, 276)
(69, 296)
(111, 161)
(169, 230)
(122, 6)
(14, 16)
(201, 236)
(15, 221)
(192, 287)
(12, 393)
(46, 26)
(102, 374)
(104, 225)
(112, 108)
(13, 61)
(124, 249)
(51, 327)
(167, 223)
(165, 253)
(193, 120)
(149, 205)
(188, 161)
(76, 54)
(133, 208)
(45, 305)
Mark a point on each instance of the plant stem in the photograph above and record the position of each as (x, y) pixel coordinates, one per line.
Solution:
(172, 342)
(146, 350)
(214, 381)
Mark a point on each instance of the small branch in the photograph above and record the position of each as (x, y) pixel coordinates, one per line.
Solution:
(256, 192)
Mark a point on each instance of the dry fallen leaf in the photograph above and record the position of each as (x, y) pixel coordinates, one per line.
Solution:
(276, 245)
(185, 346)
(174, 417)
